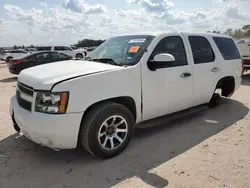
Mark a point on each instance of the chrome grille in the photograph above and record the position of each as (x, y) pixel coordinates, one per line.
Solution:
(24, 96)
(25, 89)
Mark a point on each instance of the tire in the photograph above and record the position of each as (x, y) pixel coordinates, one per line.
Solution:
(15, 126)
(85, 54)
(8, 59)
(79, 56)
(215, 100)
(91, 130)
(17, 129)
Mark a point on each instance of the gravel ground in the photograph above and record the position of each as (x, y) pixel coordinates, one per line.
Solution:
(209, 148)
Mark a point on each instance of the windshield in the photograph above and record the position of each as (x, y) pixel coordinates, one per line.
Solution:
(125, 50)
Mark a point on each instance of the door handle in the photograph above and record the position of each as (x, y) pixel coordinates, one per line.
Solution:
(215, 69)
(185, 75)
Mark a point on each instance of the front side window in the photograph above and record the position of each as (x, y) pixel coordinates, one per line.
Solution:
(201, 49)
(227, 48)
(125, 50)
(59, 56)
(43, 56)
(68, 48)
(172, 45)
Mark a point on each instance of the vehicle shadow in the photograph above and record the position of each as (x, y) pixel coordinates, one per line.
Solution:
(9, 80)
(245, 80)
(32, 165)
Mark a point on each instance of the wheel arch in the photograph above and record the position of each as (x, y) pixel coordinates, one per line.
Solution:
(227, 86)
(126, 101)
(79, 53)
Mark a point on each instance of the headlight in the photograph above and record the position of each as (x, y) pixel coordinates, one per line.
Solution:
(51, 102)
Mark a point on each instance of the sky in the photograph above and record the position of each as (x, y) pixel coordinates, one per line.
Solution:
(64, 22)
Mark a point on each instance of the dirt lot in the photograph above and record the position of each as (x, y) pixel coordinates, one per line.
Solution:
(207, 149)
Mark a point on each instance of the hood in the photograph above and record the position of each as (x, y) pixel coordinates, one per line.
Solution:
(43, 77)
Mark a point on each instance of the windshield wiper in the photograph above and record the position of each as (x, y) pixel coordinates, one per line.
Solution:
(108, 60)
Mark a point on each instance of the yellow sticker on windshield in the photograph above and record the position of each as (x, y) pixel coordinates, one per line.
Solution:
(134, 49)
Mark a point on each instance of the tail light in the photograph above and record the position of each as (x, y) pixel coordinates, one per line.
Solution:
(242, 66)
(17, 62)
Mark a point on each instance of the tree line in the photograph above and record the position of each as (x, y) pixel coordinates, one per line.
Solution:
(243, 32)
(88, 43)
(80, 43)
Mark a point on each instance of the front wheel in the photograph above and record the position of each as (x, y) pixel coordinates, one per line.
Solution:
(106, 130)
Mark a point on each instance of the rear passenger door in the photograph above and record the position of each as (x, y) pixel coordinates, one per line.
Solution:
(205, 66)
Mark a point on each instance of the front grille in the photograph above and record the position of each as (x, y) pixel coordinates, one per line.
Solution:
(25, 89)
(23, 103)
(246, 61)
(24, 95)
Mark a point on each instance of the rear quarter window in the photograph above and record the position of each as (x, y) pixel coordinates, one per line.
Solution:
(227, 47)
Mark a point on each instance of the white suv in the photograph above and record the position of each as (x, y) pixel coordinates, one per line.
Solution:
(9, 54)
(65, 50)
(124, 81)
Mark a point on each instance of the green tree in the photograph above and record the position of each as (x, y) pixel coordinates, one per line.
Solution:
(246, 29)
(89, 43)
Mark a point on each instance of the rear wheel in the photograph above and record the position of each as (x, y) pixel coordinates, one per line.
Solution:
(107, 129)
(215, 100)
(8, 59)
(79, 56)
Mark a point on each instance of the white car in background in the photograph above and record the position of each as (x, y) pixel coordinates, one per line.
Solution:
(10, 54)
(244, 47)
(65, 50)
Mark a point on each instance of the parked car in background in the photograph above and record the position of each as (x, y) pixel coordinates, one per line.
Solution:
(124, 81)
(16, 65)
(244, 46)
(90, 49)
(65, 50)
(30, 50)
(10, 54)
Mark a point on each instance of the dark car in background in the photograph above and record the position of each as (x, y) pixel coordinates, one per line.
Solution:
(34, 59)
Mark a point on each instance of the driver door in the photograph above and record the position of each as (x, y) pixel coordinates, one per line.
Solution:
(169, 88)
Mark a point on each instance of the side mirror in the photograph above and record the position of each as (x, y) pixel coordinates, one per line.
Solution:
(164, 57)
(160, 61)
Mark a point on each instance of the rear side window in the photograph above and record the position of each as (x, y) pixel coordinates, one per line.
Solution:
(44, 48)
(62, 48)
(201, 49)
(227, 48)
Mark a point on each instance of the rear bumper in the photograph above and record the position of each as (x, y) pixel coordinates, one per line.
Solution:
(53, 131)
(246, 63)
(14, 71)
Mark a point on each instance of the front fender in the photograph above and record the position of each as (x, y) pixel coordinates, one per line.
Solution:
(91, 89)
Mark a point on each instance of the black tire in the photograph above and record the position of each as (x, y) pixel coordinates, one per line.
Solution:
(15, 126)
(92, 122)
(215, 100)
(8, 59)
(79, 56)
